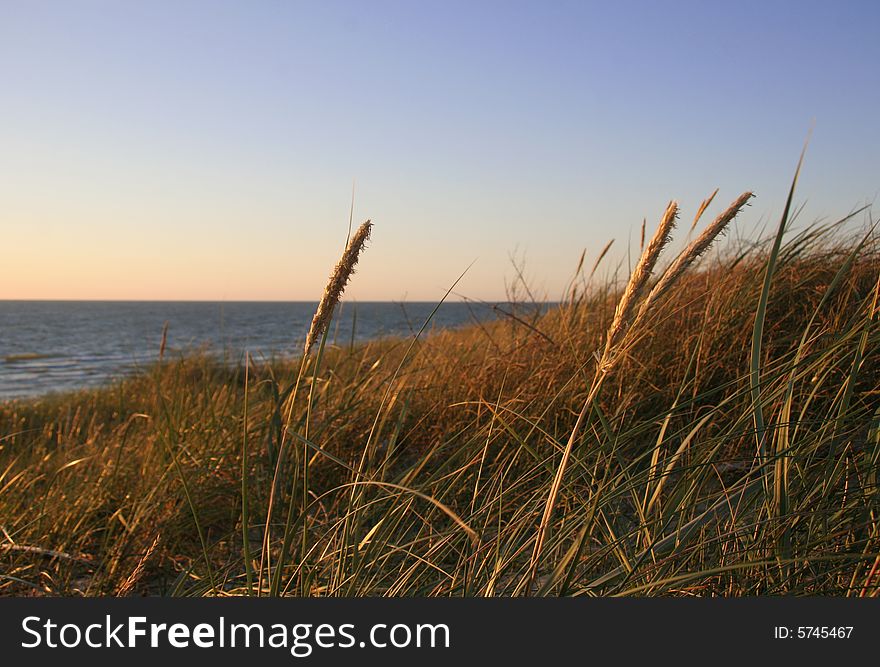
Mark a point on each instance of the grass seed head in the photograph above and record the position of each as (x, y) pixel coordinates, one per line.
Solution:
(638, 281)
(694, 250)
(336, 286)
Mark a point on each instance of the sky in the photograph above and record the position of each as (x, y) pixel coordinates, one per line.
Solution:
(208, 150)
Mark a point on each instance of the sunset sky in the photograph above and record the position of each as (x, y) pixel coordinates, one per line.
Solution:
(207, 150)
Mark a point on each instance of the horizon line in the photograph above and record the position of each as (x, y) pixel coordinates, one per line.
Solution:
(313, 301)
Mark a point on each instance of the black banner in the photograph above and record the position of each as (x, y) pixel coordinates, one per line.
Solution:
(435, 631)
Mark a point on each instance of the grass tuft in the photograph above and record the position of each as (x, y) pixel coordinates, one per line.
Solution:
(713, 432)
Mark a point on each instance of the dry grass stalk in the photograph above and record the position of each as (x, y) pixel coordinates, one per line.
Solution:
(624, 320)
(706, 202)
(600, 258)
(573, 292)
(138, 572)
(619, 325)
(48, 553)
(164, 340)
(336, 285)
(580, 262)
(693, 252)
(641, 275)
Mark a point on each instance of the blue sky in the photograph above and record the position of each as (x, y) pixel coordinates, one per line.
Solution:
(206, 150)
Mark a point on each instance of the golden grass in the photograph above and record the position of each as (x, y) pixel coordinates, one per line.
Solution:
(425, 468)
(336, 286)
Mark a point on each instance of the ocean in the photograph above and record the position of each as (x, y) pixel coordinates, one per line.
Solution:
(60, 345)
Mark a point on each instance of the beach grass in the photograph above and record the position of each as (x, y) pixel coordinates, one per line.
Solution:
(708, 426)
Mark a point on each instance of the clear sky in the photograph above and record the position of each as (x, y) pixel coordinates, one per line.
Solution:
(206, 150)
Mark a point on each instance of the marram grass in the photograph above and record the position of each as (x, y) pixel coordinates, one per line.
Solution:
(426, 469)
(336, 286)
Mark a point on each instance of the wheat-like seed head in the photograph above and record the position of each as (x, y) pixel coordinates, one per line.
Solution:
(638, 281)
(693, 251)
(600, 258)
(132, 580)
(336, 286)
(706, 202)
